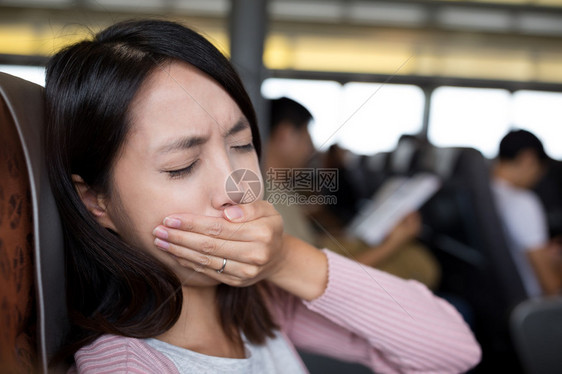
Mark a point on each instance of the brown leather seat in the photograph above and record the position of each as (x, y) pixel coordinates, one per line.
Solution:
(32, 308)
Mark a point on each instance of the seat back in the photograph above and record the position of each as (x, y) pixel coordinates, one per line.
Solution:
(549, 190)
(465, 211)
(34, 320)
(472, 248)
(17, 293)
(466, 228)
(536, 327)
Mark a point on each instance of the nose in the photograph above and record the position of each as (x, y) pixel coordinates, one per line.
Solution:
(235, 186)
(232, 179)
(243, 186)
(231, 182)
(219, 182)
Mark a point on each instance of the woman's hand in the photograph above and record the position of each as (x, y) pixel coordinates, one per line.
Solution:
(248, 241)
(250, 238)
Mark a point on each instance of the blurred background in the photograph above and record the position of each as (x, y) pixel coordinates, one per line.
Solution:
(455, 75)
(459, 72)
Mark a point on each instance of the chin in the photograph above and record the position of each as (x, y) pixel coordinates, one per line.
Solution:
(192, 278)
(188, 277)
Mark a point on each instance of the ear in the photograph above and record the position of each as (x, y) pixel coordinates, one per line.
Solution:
(96, 203)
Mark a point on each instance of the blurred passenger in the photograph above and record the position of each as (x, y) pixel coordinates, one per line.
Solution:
(520, 163)
(290, 147)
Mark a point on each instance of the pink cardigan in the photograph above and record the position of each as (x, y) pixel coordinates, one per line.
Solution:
(365, 315)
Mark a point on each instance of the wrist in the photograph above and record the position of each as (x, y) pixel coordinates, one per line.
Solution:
(303, 270)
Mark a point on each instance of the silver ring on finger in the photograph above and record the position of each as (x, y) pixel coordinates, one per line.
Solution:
(223, 266)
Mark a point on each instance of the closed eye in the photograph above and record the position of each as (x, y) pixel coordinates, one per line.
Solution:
(244, 148)
(179, 173)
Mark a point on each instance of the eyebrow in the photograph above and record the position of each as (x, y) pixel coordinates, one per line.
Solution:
(182, 143)
(193, 141)
(240, 125)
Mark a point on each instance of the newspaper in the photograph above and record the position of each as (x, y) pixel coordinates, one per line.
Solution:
(398, 197)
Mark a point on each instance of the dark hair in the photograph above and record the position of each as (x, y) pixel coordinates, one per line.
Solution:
(113, 288)
(289, 111)
(517, 141)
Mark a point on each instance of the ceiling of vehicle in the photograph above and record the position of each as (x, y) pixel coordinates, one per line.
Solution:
(513, 40)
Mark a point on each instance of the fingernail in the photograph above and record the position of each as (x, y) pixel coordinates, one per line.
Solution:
(161, 243)
(233, 212)
(160, 233)
(172, 222)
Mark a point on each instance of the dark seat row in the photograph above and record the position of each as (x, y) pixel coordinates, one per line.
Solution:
(464, 231)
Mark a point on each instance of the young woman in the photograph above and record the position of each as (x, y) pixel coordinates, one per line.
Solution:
(165, 273)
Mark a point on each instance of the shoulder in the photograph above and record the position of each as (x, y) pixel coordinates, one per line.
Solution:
(118, 354)
(513, 198)
(523, 216)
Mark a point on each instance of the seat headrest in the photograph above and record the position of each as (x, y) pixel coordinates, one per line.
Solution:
(25, 102)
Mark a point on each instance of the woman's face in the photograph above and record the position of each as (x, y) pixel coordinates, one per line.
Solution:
(187, 135)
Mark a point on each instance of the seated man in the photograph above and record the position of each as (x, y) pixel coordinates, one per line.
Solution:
(290, 148)
(520, 164)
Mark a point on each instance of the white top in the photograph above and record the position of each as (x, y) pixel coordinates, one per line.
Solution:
(524, 221)
(275, 356)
